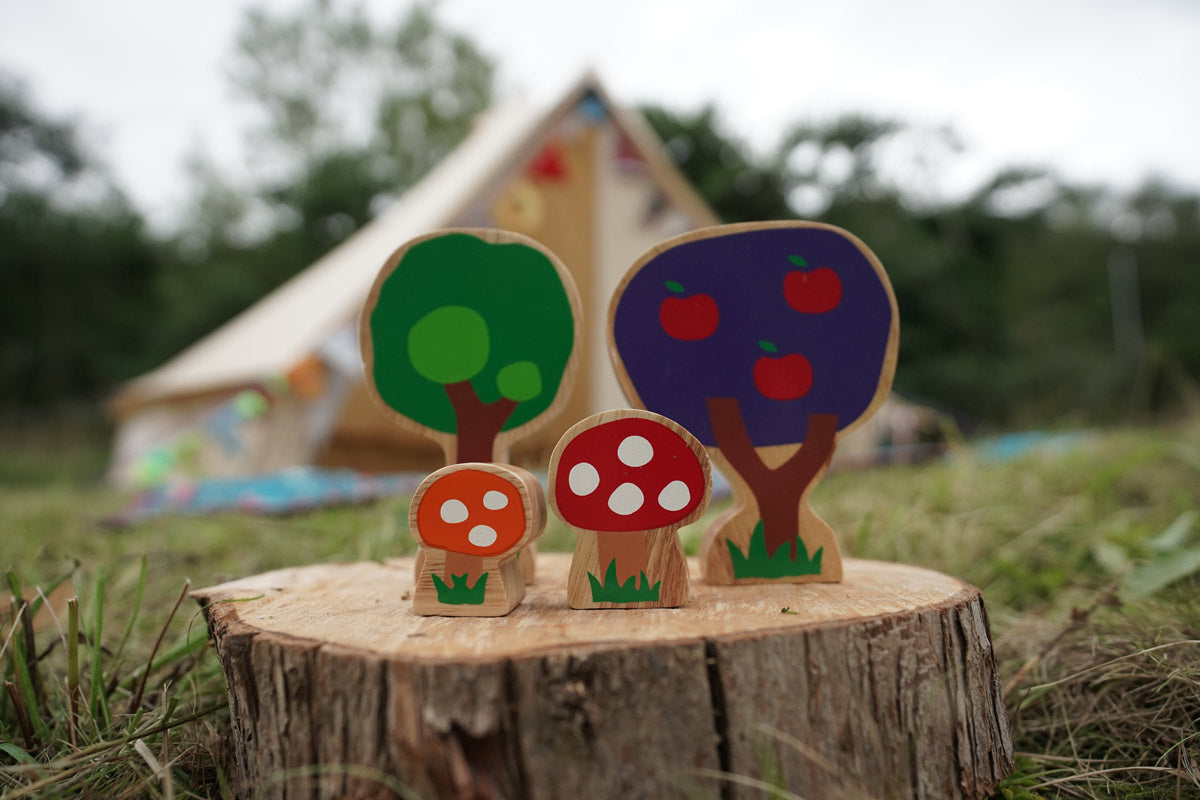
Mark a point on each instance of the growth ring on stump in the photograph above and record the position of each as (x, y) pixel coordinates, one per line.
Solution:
(881, 685)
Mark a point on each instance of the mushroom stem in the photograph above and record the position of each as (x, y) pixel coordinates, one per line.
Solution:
(459, 563)
(628, 549)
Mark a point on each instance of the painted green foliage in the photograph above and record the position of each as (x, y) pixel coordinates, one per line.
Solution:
(613, 591)
(460, 594)
(458, 311)
(757, 564)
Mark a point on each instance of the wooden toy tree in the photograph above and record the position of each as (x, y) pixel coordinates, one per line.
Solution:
(469, 337)
(625, 481)
(471, 520)
(767, 341)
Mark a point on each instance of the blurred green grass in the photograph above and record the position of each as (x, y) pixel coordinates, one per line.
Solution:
(1082, 554)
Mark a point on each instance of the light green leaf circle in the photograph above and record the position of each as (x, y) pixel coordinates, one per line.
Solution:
(449, 344)
(519, 381)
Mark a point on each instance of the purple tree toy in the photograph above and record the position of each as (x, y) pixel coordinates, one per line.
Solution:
(768, 341)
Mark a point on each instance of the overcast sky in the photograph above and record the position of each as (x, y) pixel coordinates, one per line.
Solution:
(1098, 90)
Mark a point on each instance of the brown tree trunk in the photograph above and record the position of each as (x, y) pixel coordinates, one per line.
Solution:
(478, 422)
(778, 491)
(883, 685)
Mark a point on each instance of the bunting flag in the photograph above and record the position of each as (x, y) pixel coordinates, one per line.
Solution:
(550, 164)
(592, 109)
(307, 379)
(521, 208)
(629, 158)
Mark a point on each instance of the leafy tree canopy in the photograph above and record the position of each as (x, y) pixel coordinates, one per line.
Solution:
(462, 329)
(77, 267)
(347, 114)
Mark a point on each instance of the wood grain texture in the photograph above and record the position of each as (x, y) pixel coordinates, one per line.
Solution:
(881, 685)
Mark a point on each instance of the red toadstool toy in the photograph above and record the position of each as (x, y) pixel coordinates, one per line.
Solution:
(471, 520)
(625, 481)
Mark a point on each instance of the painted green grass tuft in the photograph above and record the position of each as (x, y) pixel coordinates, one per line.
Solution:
(757, 564)
(460, 593)
(612, 591)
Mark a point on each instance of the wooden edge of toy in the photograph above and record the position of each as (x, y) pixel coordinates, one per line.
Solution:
(528, 487)
(491, 236)
(604, 417)
(891, 353)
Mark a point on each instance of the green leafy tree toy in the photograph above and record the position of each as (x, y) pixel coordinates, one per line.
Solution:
(469, 337)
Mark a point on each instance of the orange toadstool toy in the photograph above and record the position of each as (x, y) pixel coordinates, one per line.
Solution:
(471, 520)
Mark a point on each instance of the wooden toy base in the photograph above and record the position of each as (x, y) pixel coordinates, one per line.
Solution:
(881, 685)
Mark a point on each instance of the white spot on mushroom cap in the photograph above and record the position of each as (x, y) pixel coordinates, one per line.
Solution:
(494, 500)
(635, 451)
(583, 479)
(483, 536)
(454, 511)
(626, 499)
(674, 496)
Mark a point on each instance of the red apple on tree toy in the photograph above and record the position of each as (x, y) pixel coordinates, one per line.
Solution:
(625, 481)
(787, 377)
(688, 318)
(471, 521)
(814, 291)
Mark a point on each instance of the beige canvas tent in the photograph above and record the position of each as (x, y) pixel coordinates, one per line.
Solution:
(281, 384)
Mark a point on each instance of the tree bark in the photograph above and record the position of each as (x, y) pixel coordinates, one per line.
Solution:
(478, 422)
(883, 685)
(778, 491)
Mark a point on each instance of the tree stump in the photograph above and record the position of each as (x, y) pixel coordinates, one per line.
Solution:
(883, 685)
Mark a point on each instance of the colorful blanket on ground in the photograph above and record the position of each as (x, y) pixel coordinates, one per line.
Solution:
(288, 491)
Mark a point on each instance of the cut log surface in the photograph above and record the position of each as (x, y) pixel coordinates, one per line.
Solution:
(883, 685)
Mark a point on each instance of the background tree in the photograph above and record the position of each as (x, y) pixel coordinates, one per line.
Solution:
(738, 186)
(346, 115)
(77, 267)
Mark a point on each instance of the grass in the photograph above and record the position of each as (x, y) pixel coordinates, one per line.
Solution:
(1086, 557)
